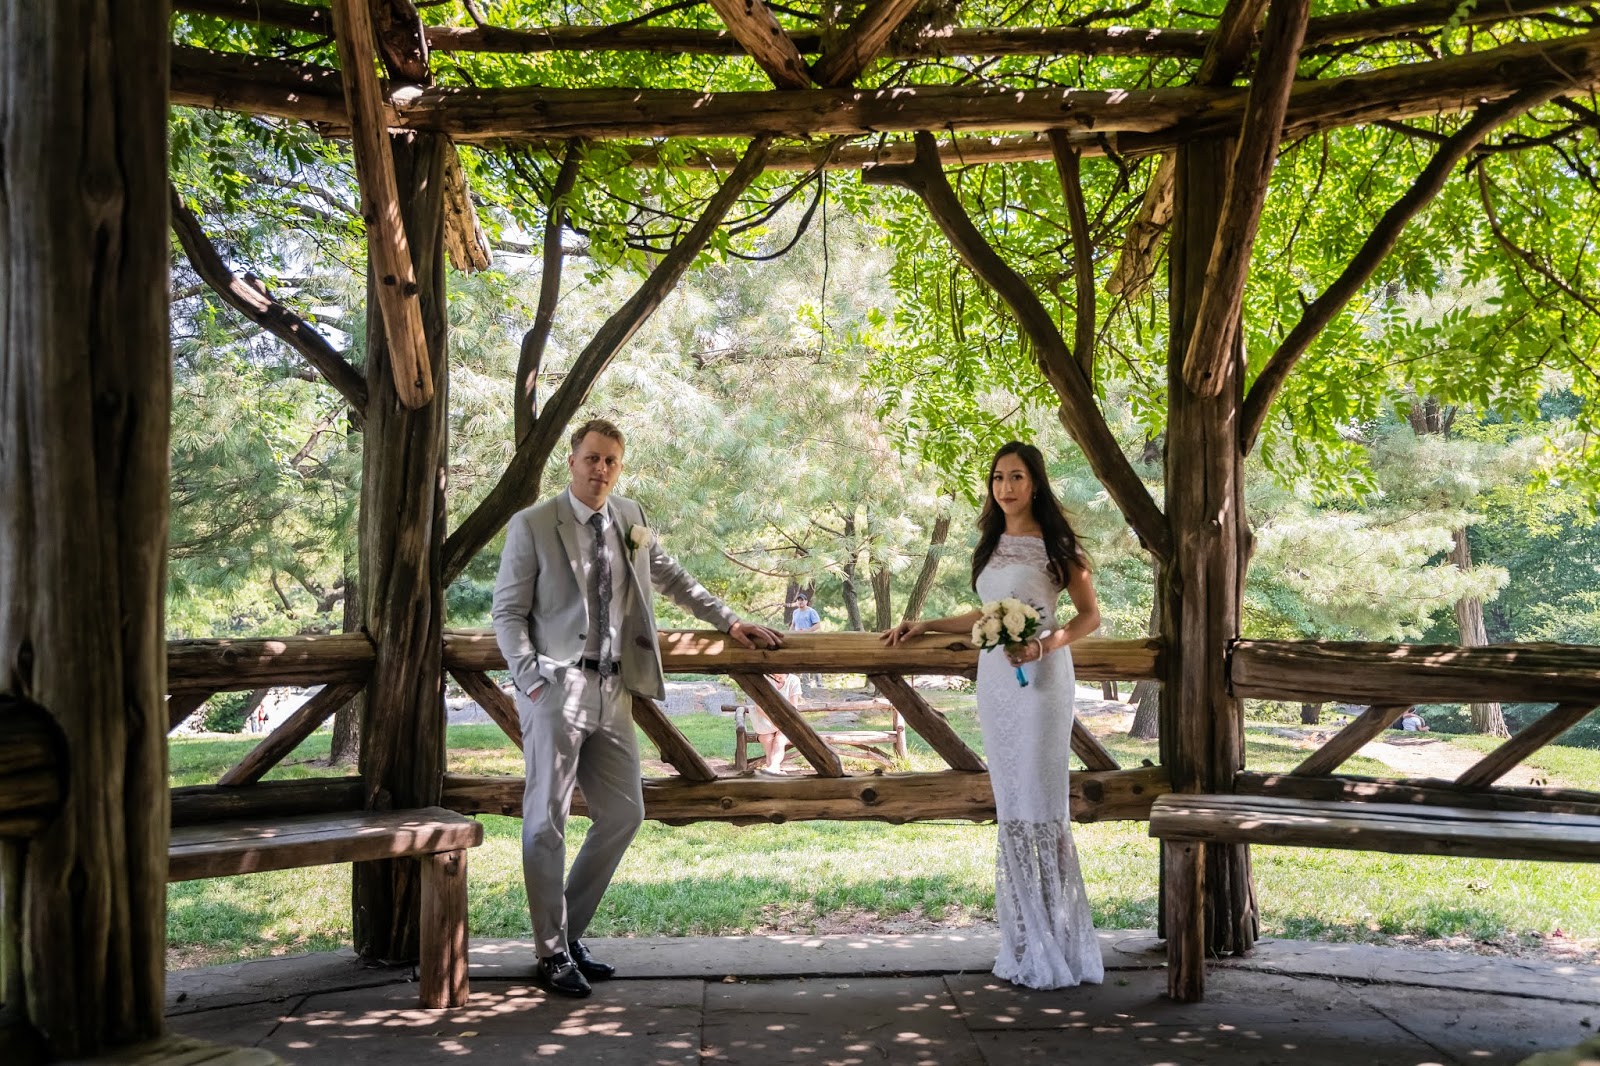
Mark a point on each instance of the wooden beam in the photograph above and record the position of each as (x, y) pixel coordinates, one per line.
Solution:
(251, 298)
(1087, 746)
(258, 85)
(1349, 788)
(1529, 739)
(1314, 671)
(929, 723)
(1128, 121)
(822, 758)
(1328, 758)
(862, 43)
(1322, 32)
(32, 768)
(266, 800)
(234, 848)
(675, 749)
(1214, 337)
(180, 705)
(759, 34)
(1116, 795)
(465, 242)
(387, 244)
(276, 745)
(685, 651)
(518, 486)
(1408, 830)
(1079, 412)
(501, 709)
(228, 665)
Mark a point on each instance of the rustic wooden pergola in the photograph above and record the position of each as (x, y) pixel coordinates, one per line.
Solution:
(91, 687)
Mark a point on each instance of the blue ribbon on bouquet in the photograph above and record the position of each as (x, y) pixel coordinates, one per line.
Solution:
(1022, 678)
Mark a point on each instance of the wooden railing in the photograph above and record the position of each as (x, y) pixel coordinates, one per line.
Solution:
(1389, 679)
(197, 669)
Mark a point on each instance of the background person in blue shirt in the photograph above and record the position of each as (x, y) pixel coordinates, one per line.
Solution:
(806, 620)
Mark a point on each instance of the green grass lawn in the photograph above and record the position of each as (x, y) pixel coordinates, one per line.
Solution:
(818, 877)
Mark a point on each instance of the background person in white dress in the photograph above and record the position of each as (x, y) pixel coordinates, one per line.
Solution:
(773, 743)
(1027, 549)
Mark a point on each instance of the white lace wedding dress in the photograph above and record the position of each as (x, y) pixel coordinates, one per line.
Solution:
(1047, 937)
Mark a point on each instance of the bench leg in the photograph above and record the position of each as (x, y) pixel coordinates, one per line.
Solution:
(1184, 865)
(443, 966)
(740, 759)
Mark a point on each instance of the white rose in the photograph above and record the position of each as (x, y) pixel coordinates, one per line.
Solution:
(1015, 621)
(991, 630)
(977, 632)
(641, 537)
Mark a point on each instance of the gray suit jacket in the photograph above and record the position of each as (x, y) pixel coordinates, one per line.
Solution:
(541, 609)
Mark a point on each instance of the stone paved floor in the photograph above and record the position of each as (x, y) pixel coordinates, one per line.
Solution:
(911, 1000)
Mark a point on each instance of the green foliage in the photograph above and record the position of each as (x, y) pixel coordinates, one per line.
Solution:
(226, 712)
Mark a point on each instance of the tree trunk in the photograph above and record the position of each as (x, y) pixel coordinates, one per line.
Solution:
(1146, 698)
(1486, 717)
(930, 570)
(1146, 694)
(345, 745)
(1108, 690)
(882, 605)
(85, 402)
(847, 580)
(402, 595)
(1200, 592)
(1310, 714)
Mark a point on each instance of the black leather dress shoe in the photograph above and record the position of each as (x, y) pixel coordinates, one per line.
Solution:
(588, 965)
(560, 975)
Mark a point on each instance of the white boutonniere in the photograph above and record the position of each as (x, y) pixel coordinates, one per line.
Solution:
(639, 539)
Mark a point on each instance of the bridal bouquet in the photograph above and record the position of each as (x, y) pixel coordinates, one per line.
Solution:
(1004, 623)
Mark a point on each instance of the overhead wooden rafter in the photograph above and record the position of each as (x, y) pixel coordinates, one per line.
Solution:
(1141, 120)
(465, 242)
(861, 43)
(1323, 33)
(767, 42)
(1216, 330)
(388, 249)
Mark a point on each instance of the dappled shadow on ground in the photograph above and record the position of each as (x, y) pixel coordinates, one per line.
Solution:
(951, 1020)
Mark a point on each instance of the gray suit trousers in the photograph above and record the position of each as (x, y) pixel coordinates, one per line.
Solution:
(578, 730)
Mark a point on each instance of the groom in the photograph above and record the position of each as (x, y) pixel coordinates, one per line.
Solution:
(574, 619)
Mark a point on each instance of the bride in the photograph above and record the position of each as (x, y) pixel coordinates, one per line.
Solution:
(1027, 549)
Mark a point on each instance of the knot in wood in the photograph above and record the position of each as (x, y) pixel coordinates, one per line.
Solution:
(869, 795)
(1094, 790)
(726, 803)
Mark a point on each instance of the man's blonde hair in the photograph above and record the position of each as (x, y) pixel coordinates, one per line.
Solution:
(597, 425)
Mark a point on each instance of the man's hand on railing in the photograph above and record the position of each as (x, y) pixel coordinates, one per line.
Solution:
(750, 635)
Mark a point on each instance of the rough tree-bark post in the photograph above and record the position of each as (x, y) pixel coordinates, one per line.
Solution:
(1201, 723)
(85, 397)
(402, 537)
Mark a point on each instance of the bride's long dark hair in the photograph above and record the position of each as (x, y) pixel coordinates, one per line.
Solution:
(1060, 542)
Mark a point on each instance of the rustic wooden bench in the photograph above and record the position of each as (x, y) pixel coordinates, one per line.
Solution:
(436, 836)
(1407, 829)
(867, 742)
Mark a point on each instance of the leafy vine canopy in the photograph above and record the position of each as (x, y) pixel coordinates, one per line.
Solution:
(1487, 300)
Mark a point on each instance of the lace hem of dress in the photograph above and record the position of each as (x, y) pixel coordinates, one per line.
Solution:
(1047, 937)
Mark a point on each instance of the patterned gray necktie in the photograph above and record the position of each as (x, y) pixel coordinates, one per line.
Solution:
(602, 592)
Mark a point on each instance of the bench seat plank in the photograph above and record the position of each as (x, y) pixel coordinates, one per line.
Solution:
(1387, 827)
(223, 849)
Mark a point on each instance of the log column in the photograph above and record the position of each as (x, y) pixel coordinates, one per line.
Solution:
(1202, 732)
(402, 594)
(85, 394)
